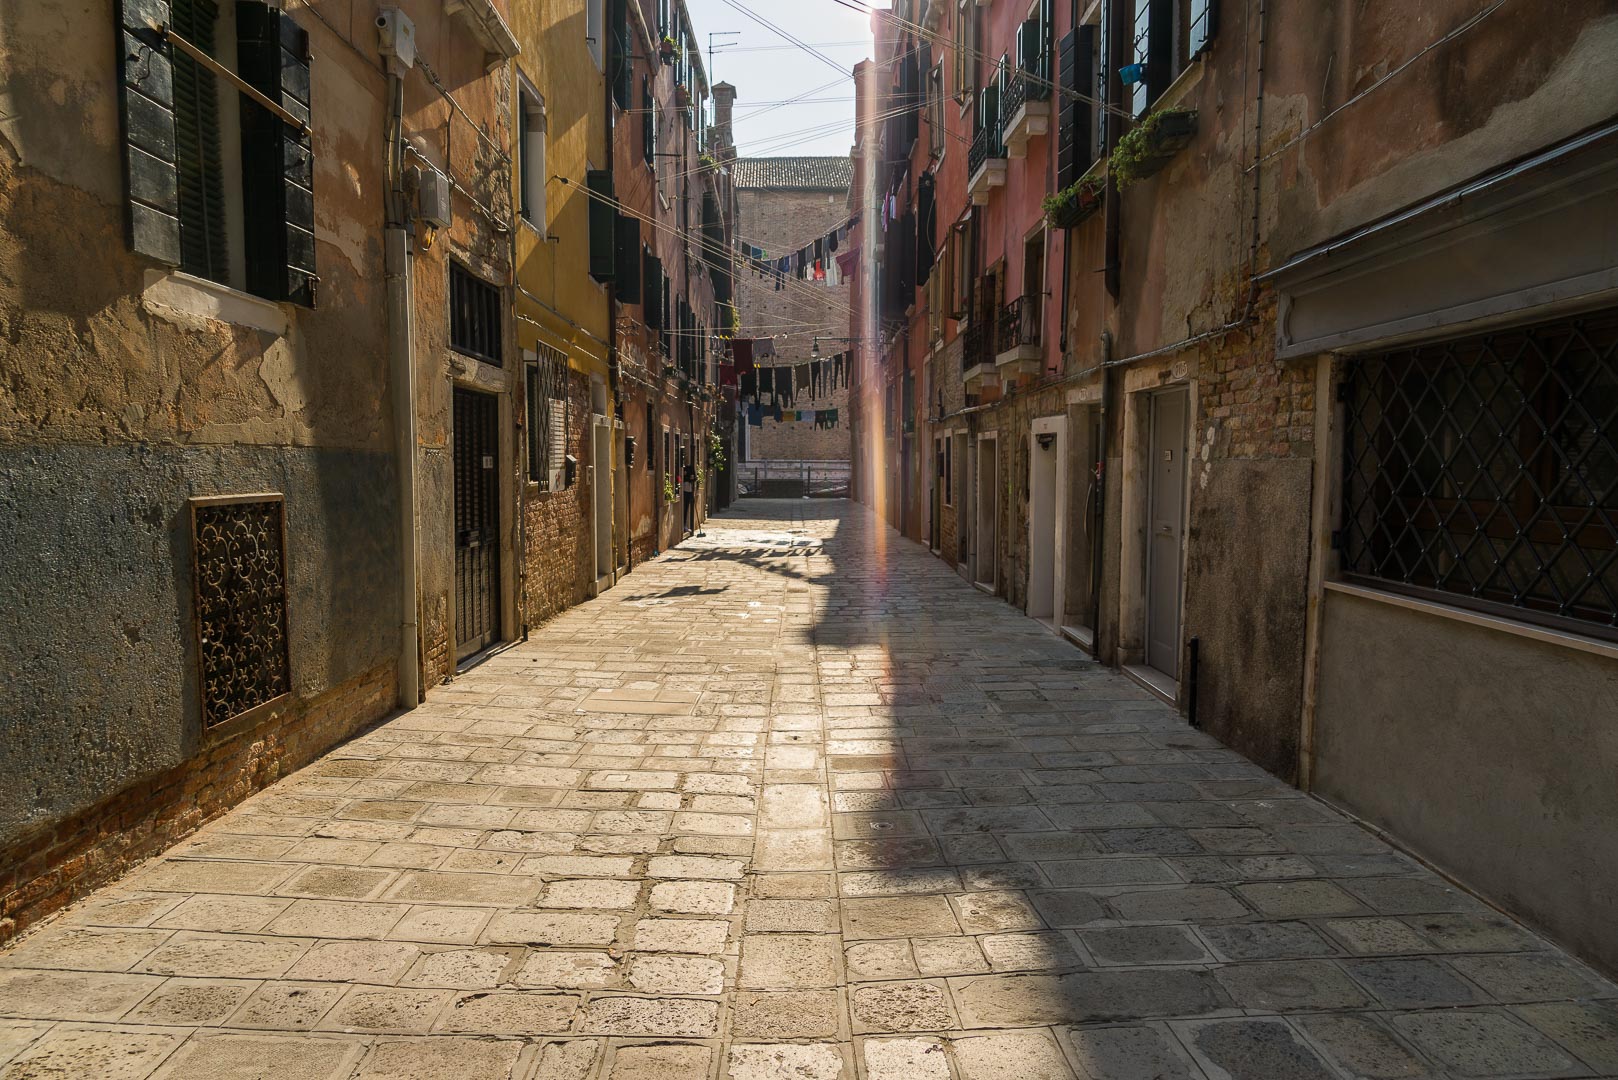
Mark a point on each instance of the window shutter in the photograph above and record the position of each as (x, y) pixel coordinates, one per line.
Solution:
(621, 54)
(146, 105)
(648, 123)
(197, 145)
(627, 272)
(652, 289)
(1204, 24)
(1075, 147)
(278, 164)
(603, 215)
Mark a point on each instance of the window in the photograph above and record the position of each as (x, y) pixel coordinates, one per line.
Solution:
(960, 240)
(239, 574)
(935, 111)
(621, 51)
(198, 150)
(603, 222)
(548, 409)
(648, 123)
(966, 52)
(595, 19)
(1152, 50)
(474, 315)
(1484, 472)
(531, 156)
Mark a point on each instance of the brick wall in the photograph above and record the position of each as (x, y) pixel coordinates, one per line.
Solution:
(781, 222)
(46, 870)
(559, 559)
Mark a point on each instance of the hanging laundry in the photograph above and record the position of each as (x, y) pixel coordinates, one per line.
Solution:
(741, 350)
(766, 381)
(755, 415)
(763, 348)
(846, 261)
(820, 271)
(749, 386)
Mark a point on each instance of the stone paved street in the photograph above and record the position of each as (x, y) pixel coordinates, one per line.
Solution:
(792, 801)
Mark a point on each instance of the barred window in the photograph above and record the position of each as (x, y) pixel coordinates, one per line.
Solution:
(474, 315)
(1484, 471)
(548, 419)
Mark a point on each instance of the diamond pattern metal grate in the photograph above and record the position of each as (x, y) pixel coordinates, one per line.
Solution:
(1484, 471)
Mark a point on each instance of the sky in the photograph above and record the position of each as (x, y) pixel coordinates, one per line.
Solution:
(765, 68)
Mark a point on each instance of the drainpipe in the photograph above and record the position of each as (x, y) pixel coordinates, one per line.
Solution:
(402, 374)
(1098, 545)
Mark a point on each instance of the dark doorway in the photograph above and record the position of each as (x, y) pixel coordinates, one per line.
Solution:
(477, 522)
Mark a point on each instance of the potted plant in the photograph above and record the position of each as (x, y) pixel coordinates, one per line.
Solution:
(671, 493)
(707, 161)
(668, 49)
(1075, 202)
(1149, 145)
(682, 96)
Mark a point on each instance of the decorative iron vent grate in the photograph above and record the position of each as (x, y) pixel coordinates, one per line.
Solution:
(1484, 471)
(239, 553)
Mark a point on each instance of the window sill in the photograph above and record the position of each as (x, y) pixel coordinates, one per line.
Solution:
(1475, 618)
(538, 232)
(176, 292)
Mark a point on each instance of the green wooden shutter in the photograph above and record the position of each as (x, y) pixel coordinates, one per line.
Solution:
(146, 107)
(627, 271)
(652, 304)
(603, 216)
(648, 123)
(278, 163)
(197, 146)
(621, 54)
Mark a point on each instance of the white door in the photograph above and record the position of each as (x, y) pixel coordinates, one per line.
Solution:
(1165, 523)
(601, 498)
(1045, 452)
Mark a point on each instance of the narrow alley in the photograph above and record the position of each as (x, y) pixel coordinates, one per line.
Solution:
(794, 802)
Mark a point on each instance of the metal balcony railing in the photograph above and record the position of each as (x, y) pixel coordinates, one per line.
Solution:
(1020, 323)
(986, 144)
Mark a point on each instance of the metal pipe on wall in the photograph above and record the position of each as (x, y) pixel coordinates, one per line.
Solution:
(399, 270)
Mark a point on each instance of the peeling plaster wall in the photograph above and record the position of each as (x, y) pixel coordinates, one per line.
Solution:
(125, 391)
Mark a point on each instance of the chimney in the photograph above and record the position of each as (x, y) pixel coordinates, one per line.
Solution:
(719, 137)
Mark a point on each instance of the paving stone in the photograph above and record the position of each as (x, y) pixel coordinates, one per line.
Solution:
(660, 1061)
(786, 1014)
(567, 970)
(1265, 941)
(579, 866)
(236, 956)
(386, 1009)
(493, 889)
(1483, 1043)
(1027, 1055)
(898, 882)
(355, 961)
(75, 1052)
(948, 956)
(623, 1015)
(681, 935)
(337, 919)
(15, 1035)
(1532, 977)
(1362, 1047)
(1588, 1028)
(1410, 896)
(792, 916)
(1415, 983)
(995, 912)
(86, 948)
(1110, 870)
(1252, 1050)
(905, 1059)
(1127, 1053)
(901, 1006)
(898, 916)
(694, 897)
(1132, 945)
(589, 894)
(1028, 952)
(528, 1012)
(694, 867)
(440, 1058)
(1192, 904)
(1067, 907)
(810, 1061)
(1084, 996)
(1473, 933)
(793, 886)
(789, 962)
(1300, 899)
(192, 1002)
(288, 1006)
(676, 975)
(544, 928)
(881, 960)
(1375, 936)
(227, 1056)
(1283, 985)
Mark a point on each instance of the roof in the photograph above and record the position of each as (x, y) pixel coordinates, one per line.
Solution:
(793, 173)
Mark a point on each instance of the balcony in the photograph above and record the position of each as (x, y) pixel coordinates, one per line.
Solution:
(977, 357)
(1017, 348)
(986, 163)
(1026, 105)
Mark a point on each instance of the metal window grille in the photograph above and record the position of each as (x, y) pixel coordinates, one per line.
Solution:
(1484, 472)
(548, 419)
(474, 315)
(238, 550)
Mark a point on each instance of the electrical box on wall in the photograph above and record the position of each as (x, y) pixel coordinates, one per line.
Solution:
(396, 39)
(433, 198)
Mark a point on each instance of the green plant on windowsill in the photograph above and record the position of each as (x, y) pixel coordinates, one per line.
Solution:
(1075, 202)
(707, 161)
(1148, 146)
(668, 49)
(716, 451)
(671, 491)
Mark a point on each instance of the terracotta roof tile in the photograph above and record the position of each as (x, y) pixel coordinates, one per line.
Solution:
(801, 173)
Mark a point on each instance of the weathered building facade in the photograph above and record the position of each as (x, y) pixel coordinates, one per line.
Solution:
(1315, 434)
(206, 575)
(783, 205)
